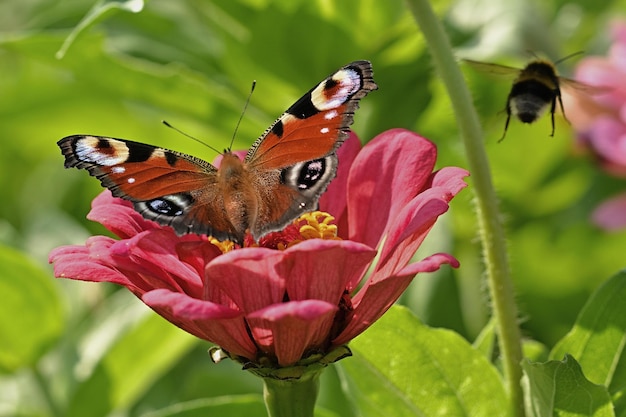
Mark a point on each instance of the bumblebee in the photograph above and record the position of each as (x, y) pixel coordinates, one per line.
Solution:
(536, 88)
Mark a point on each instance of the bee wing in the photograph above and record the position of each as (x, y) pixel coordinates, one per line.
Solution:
(573, 85)
(492, 68)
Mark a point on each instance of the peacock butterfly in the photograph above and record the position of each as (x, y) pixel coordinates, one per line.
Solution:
(282, 176)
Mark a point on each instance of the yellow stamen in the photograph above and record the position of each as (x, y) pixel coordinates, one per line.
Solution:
(223, 245)
(318, 226)
(313, 225)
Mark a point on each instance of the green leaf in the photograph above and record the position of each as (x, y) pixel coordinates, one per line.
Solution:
(598, 337)
(559, 389)
(485, 342)
(130, 367)
(404, 368)
(31, 315)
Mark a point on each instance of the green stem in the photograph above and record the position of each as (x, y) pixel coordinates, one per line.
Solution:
(292, 397)
(491, 231)
(44, 385)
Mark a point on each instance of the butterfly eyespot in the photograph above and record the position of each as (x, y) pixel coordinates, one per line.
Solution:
(310, 173)
(168, 206)
(164, 207)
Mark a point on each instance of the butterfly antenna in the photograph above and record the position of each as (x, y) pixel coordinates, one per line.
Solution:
(166, 123)
(245, 107)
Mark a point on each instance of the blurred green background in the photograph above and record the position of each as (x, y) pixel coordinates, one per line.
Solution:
(132, 64)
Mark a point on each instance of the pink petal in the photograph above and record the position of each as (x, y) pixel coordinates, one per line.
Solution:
(375, 298)
(91, 262)
(184, 306)
(608, 138)
(618, 31)
(197, 254)
(152, 254)
(408, 232)
(75, 262)
(323, 269)
(213, 322)
(611, 214)
(288, 330)
(248, 276)
(118, 216)
(451, 180)
(388, 172)
(616, 55)
(334, 200)
(414, 222)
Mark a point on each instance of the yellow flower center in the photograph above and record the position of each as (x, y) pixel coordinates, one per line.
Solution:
(313, 225)
(317, 225)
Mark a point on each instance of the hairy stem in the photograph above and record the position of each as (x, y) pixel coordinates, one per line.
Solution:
(491, 231)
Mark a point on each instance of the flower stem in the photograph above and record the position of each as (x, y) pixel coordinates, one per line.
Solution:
(292, 397)
(491, 231)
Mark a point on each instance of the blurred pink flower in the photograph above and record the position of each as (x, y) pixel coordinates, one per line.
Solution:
(263, 305)
(600, 118)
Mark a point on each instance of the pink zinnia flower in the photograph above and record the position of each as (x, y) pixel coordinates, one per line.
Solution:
(274, 307)
(600, 117)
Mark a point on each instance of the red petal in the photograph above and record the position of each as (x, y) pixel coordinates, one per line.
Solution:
(408, 232)
(75, 262)
(391, 170)
(324, 269)
(413, 223)
(153, 255)
(248, 277)
(334, 200)
(209, 321)
(375, 298)
(118, 216)
(450, 180)
(197, 254)
(288, 330)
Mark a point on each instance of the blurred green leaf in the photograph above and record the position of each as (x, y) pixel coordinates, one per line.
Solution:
(485, 342)
(31, 314)
(98, 12)
(403, 368)
(559, 389)
(598, 337)
(130, 367)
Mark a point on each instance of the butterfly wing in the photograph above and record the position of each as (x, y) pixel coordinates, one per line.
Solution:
(171, 188)
(283, 174)
(295, 160)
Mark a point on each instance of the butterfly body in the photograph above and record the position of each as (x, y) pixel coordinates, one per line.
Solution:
(282, 176)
